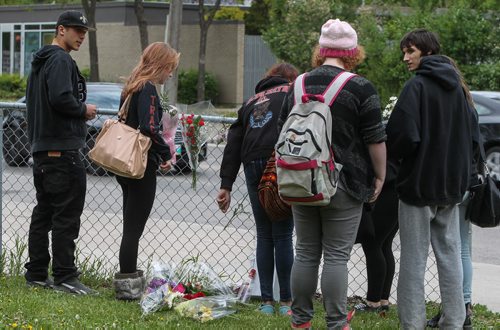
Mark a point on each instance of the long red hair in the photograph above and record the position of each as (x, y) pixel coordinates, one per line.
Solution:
(157, 58)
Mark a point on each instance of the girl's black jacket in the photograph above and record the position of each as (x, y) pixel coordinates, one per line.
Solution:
(145, 113)
(255, 132)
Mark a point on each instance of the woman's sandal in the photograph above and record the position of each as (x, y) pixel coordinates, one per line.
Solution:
(285, 310)
(266, 309)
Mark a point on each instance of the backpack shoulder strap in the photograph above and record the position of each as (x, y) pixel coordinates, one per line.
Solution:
(331, 92)
(299, 88)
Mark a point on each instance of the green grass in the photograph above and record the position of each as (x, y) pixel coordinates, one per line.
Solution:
(25, 308)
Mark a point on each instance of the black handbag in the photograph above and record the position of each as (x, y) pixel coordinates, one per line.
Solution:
(484, 206)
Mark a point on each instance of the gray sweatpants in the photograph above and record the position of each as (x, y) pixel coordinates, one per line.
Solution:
(439, 226)
(331, 231)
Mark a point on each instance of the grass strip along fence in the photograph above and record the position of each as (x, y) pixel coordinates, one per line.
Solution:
(23, 307)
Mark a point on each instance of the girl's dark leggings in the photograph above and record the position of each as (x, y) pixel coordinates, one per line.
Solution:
(138, 198)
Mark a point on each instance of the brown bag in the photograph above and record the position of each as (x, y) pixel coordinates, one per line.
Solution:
(275, 208)
(120, 148)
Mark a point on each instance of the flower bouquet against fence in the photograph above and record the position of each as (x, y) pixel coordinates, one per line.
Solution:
(170, 121)
(206, 308)
(170, 285)
(194, 135)
(198, 279)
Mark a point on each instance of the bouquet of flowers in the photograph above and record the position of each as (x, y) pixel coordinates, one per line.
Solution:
(160, 290)
(205, 309)
(198, 279)
(194, 135)
(170, 121)
(172, 284)
(389, 107)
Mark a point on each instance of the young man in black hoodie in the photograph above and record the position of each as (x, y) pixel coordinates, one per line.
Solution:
(56, 114)
(430, 133)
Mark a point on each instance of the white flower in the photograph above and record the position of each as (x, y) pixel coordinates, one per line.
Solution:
(171, 297)
(386, 113)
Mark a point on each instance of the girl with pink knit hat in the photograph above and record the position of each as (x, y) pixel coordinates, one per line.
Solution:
(358, 142)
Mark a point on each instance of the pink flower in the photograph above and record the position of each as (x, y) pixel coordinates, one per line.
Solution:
(179, 288)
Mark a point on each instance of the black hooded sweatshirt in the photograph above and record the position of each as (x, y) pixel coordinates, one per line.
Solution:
(255, 132)
(431, 132)
(55, 97)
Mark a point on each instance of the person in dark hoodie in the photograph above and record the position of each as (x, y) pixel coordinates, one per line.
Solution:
(430, 132)
(251, 141)
(56, 113)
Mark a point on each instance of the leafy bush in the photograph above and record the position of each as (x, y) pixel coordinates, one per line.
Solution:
(187, 87)
(230, 13)
(85, 73)
(12, 86)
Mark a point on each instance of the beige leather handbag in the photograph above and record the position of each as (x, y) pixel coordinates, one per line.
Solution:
(120, 148)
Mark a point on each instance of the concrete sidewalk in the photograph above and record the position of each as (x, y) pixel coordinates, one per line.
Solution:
(486, 285)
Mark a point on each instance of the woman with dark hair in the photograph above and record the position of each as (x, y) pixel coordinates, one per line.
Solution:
(156, 65)
(251, 141)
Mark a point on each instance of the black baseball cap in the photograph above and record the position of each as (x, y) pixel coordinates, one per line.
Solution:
(73, 18)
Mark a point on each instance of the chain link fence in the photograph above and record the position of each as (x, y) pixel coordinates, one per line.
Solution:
(184, 222)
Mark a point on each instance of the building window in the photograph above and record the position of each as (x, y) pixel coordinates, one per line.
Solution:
(20, 42)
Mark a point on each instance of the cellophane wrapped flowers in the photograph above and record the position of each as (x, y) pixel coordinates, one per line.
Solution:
(170, 285)
(206, 308)
(170, 120)
(160, 290)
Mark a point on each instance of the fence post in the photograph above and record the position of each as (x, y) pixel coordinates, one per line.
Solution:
(1, 180)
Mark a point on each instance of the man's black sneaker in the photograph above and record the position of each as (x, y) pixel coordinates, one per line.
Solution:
(73, 285)
(47, 284)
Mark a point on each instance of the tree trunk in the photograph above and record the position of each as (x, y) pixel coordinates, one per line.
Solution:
(89, 7)
(173, 37)
(205, 21)
(141, 22)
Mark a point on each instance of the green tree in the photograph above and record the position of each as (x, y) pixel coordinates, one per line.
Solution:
(294, 29)
(257, 17)
(206, 17)
(469, 36)
(295, 26)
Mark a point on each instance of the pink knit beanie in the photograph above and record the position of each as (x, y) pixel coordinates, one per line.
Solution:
(338, 39)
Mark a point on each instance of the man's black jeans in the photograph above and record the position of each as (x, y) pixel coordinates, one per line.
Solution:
(60, 182)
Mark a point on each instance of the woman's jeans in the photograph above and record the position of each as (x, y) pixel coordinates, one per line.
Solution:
(274, 240)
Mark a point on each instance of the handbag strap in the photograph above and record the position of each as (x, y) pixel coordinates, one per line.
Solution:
(122, 114)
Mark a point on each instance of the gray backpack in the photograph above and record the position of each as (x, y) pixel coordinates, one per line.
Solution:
(306, 169)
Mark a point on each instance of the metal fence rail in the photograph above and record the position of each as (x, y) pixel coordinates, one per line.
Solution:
(183, 222)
